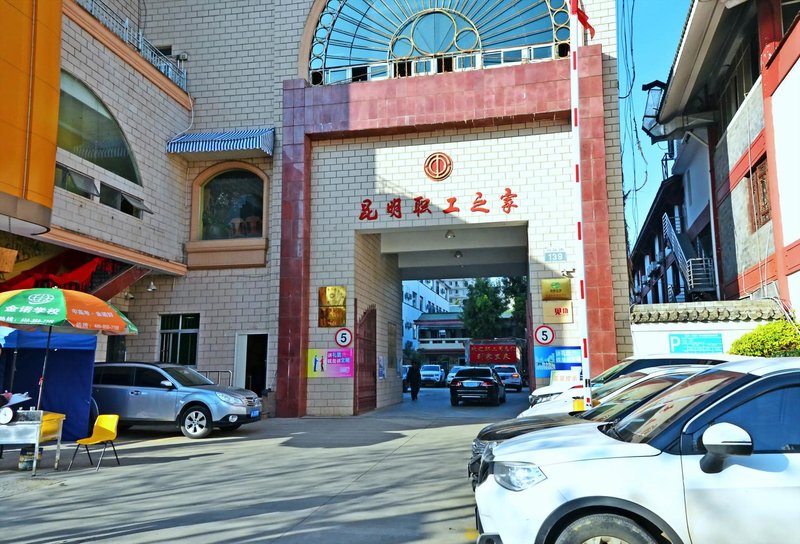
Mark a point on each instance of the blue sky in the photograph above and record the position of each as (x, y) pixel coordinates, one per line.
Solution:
(651, 29)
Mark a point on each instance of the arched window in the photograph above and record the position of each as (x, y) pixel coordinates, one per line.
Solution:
(229, 217)
(363, 39)
(87, 129)
(232, 206)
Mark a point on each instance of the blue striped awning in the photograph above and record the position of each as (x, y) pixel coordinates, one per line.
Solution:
(224, 144)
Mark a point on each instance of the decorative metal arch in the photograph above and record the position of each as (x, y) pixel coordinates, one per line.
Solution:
(360, 33)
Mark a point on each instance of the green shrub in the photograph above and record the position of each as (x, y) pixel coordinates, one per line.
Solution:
(774, 339)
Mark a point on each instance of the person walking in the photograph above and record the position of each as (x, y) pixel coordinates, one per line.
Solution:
(414, 380)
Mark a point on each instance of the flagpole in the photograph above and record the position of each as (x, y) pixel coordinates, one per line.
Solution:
(580, 260)
(44, 367)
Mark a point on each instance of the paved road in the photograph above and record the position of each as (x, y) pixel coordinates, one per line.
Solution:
(396, 475)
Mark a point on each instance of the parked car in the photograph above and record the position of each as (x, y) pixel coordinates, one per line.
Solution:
(479, 383)
(432, 375)
(162, 393)
(609, 409)
(510, 376)
(452, 373)
(626, 366)
(715, 458)
(406, 387)
(564, 403)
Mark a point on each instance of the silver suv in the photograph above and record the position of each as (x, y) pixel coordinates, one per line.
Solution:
(153, 393)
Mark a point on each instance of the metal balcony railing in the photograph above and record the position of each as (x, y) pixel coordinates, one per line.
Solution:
(133, 36)
(457, 62)
(698, 271)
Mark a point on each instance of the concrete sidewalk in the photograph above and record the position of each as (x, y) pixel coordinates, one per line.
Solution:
(394, 475)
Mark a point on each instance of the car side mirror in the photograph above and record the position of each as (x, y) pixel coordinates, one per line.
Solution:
(167, 384)
(723, 440)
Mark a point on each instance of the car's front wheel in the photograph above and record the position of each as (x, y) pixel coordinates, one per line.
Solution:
(196, 422)
(604, 528)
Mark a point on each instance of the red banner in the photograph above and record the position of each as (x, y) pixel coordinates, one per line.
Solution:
(492, 354)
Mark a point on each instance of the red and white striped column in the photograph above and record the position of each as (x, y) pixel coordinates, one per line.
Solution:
(575, 32)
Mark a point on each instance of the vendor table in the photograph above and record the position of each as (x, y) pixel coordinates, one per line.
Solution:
(34, 427)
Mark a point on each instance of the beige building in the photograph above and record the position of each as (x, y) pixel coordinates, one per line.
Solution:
(292, 162)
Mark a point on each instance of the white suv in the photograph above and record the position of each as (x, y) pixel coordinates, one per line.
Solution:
(432, 375)
(715, 458)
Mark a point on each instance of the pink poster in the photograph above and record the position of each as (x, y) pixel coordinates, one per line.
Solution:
(330, 363)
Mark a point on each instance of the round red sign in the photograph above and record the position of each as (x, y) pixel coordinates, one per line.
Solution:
(438, 166)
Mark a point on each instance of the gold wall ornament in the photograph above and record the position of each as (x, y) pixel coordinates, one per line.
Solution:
(556, 289)
(333, 306)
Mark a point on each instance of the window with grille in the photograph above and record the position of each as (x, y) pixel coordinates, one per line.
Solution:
(759, 194)
(179, 334)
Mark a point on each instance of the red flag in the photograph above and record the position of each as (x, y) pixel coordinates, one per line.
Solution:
(583, 19)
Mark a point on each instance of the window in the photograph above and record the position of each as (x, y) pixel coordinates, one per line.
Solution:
(742, 75)
(75, 183)
(114, 375)
(179, 334)
(123, 202)
(116, 348)
(147, 377)
(232, 206)
(759, 196)
(87, 129)
(769, 419)
(789, 10)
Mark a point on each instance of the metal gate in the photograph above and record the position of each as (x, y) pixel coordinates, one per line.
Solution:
(366, 374)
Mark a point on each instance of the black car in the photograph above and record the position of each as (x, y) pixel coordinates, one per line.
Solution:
(610, 410)
(479, 383)
(406, 387)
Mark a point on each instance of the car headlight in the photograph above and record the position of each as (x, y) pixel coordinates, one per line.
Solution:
(538, 399)
(230, 399)
(517, 476)
(478, 446)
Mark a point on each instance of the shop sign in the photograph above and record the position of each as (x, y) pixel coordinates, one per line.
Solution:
(557, 311)
(556, 289)
(330, 363)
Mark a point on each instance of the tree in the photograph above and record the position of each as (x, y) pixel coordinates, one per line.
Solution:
(515, 291)
(411, 355)
(482, 309)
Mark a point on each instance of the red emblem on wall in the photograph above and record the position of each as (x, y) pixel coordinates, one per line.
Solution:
(438, 166)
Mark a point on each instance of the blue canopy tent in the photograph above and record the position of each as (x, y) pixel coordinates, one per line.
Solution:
(70, 368)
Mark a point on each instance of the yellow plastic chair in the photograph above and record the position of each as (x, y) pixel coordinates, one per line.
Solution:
(105, 432)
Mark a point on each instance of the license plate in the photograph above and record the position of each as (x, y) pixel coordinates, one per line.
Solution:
(471, 384)
(255, 413)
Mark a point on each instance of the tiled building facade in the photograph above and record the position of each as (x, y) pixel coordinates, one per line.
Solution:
(506, 130)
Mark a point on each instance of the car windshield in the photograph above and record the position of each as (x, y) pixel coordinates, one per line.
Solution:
(609, 374)
(505, 369)
(611, 409)
(186, 376)
(616, 384)
(474, 373)
(644, 423)
(430, 368)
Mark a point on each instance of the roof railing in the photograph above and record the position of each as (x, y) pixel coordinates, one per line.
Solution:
(128, 32)
(429, 65)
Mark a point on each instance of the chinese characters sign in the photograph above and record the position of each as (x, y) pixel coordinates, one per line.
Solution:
(480, 354)
(330, 363)
(560, 358)
(559, 311)
(396, 208)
